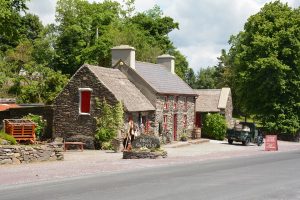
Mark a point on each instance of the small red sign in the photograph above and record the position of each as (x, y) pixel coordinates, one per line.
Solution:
(271, 143)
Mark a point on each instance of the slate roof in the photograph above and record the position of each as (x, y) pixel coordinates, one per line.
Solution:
(212, 100)
(161, 80)
(125, 91)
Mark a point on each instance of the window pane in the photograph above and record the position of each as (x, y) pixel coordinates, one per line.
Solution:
(85, 101)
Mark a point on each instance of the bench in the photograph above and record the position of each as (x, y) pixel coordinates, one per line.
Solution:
(79, 144)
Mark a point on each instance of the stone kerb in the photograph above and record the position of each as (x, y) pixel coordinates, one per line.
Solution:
(145, 146)
(11, 154)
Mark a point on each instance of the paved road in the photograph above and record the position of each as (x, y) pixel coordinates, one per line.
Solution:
(264, 176)
(84, 163)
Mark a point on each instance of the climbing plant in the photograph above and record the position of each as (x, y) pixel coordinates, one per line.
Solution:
(109, 121)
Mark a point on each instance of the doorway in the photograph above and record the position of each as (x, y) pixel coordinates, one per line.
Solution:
(175, 127)
(198, 121)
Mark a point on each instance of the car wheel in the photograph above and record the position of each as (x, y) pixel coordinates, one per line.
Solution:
(247, 142)
(230, 141)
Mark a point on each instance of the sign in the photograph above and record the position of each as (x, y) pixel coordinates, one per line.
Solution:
(149, 141)
(271, 143)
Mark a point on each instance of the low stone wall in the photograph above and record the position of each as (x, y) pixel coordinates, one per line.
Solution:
(14, 154)
(144, 154)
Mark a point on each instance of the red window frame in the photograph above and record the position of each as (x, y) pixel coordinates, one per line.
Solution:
(165, 124)
(184, 121)
(166, 104)
(85, 101)
(175, 102)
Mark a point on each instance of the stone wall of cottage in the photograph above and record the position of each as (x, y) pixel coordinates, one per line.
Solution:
(68, 123)
(10, 154)
(180, 111)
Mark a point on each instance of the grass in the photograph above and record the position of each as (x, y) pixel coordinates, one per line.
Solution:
(7, 137)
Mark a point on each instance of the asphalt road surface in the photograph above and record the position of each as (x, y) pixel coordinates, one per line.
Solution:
(269, 176)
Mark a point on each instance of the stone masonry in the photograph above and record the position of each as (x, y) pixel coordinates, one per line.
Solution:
(10, 154)
(180, 111)
(68, 123)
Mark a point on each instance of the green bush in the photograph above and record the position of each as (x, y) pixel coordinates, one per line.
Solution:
(40, 124)
(7, 137)
(109, 121)
(214, 126)
(106, 146)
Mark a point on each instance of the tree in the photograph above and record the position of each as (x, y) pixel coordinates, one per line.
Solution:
(266, 67)
(206, 78)
(10, 22)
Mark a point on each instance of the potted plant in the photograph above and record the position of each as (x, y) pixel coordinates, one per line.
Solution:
(183, 137)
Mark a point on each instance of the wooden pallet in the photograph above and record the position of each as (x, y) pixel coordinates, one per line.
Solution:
(20, 129)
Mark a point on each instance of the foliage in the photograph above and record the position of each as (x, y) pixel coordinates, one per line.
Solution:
(109, 121)
(40, 124)
(11, 22)
(206, 78)
(214, 126)
(7, 137)
(183, 137)
(215, 77)
(84, 33)
(29, 81)
(106, 146)
(87, 32)
(265, 67)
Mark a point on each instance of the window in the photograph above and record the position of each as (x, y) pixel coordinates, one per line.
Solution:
(175, 102)
(166, 106)
(85, 101)
(185, 103)
(184, 121)
(165, 124)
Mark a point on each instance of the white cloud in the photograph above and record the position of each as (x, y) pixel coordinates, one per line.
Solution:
(44, 9)
(205, 25)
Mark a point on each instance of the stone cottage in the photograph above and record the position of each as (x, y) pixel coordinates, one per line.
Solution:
(75, 107)
(173, 99)
(154, 97)
(213, 101)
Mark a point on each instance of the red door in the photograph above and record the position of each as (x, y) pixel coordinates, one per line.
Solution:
(198, 120)
(175, 127)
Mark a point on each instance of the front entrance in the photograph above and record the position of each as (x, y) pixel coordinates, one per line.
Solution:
(198, 121)
(175, 127)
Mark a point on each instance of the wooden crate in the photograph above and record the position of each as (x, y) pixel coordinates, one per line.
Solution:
(20, 129)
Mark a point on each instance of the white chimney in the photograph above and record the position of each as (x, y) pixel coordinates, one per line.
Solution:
(125, 53)
(168, 61)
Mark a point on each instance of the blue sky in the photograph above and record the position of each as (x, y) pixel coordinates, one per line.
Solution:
(205, 25)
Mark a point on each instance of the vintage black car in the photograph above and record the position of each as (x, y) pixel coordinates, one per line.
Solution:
(245, 132)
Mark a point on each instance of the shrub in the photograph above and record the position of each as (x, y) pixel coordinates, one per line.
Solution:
(106, 146)
(7, 137)
(214, 126)
(40, 124)
(109, 121)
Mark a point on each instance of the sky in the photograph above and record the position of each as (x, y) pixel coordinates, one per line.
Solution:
(205, 26)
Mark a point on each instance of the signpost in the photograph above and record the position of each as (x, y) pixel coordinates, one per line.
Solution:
(271, 143)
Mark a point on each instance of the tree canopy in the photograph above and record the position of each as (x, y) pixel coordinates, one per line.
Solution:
(36, 60)
(265, 67)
